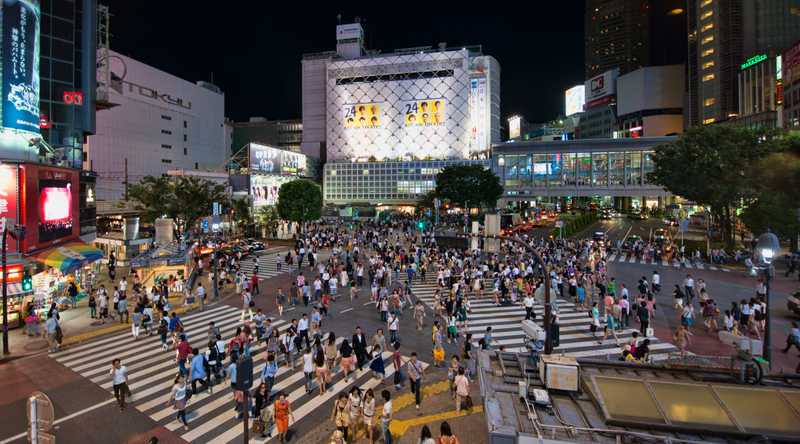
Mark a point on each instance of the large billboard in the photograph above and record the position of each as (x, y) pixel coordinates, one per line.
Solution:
(426, 112)
(478, 131)
(601, 86)
(20, 65)
(269, 160)
(55, 209)
(574, 99)
(49, 201)
(264, 188)
(9, 194)
(362, 115)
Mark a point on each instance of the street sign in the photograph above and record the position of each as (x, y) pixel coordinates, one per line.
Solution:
(437, 203)
(559, 223)
(684, 225)
(204, 225)
(40, 405)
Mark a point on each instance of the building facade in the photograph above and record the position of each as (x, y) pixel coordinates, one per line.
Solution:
(413, 103)
(760, 91)
(599, 169)
(155, 122)
(383, 183)
(650, 102)
(630, 34)
(725, 34)
(283, 134)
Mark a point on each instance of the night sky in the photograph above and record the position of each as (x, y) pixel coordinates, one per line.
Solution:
(254, 49)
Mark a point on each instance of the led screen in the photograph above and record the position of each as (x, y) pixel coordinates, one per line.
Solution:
(55, 209)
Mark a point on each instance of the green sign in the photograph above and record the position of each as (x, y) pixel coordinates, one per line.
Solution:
(755, 60)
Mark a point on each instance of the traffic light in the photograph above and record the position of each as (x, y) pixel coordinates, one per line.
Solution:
(27, 281)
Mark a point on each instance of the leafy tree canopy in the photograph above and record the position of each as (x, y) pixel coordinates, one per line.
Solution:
(469, 184)
(185, 199)
(300, 201)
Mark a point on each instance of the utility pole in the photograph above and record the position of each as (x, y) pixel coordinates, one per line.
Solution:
(5, 288)
(126, 179)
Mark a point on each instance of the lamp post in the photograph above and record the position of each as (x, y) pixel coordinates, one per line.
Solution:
(501, 161)
(766, 248)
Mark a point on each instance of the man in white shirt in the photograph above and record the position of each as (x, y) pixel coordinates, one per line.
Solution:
(688, 285)
(656, 282)
(119, 376)
(302, 330)
(528, 302)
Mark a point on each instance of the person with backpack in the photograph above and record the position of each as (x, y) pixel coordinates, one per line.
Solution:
(199, 371)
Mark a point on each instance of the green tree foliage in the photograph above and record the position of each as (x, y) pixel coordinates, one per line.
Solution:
(471, 185)
(185, 199)
(300, 201)
(712, 165)
(268, 218)
(773, 211)
(426, 200)
(242, 214)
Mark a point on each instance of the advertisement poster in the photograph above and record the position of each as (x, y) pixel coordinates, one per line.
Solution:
(55, 209)
(574, 99)
(264, 189)
(266, 159)
(362, 115)
(428, 112)
(477, 111)
(20, 65)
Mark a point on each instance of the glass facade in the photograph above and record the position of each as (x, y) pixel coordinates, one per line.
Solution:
(599, 169)
(392, 182)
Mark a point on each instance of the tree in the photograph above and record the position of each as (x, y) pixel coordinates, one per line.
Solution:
(772, 211)
(711, 165)
(300, 201)
(241, 211)
(268, 218)
(469, 184)
(185, 199)
(426, 200)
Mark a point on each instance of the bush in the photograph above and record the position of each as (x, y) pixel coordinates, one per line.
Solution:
(575, 224)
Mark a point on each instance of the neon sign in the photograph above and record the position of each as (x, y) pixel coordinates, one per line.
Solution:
(755, 60)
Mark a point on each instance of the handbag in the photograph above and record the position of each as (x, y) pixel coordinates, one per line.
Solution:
(258, 426)
(467, 403)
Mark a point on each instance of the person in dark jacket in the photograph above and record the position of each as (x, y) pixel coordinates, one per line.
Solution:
(360, 347)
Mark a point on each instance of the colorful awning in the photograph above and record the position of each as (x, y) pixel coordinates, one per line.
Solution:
(69, 257)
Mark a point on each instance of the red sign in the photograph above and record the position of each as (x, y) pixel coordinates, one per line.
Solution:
(44, 122)
(15, 272)
(73, 98)
(597, 102)
(9, 194)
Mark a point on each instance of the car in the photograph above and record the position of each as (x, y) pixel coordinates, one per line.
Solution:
(671, 222)
(638, 215)
(606, 215)
(599, 237)
(254, 245)
(660, 235)
(630, 241)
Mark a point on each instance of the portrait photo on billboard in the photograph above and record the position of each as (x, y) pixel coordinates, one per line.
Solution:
(265, 159)
(428, 112)
(20, 62)
(264, 189)
(55, 209)
(362, 115)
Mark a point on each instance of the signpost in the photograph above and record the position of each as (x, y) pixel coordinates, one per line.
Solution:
(437, 203)
(560, 226)
(40, 419)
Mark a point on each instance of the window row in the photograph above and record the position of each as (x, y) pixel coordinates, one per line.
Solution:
(576, 169)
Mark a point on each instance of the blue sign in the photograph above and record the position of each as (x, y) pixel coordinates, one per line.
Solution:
(20, 65)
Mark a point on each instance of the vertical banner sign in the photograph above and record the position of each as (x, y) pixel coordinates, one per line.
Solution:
(20, 65)
(9, 194)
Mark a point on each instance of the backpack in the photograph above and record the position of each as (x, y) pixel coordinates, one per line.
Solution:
(162, 327)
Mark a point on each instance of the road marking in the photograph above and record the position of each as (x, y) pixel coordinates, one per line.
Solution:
(399, 427)
(63, 419)
(346, 310)
(370, 303)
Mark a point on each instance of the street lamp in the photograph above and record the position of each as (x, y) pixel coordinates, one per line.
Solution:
(766, 249)
(501, 161)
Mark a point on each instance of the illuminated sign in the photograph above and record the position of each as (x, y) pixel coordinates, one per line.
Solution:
(264, 189)
(362, 115)
(755, 60)
(601, 86)
(15, 272)
(55, 209)
(429, 112)
(514, 127)
(73, 98)
(9, 194)
(574, 99)
(20, 62)
(44, 122)
(265, 159)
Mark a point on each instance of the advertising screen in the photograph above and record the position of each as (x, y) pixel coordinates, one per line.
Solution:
(362, 115)
(428, 112)
(266, 159)
(55, 209)
(574, 98)
(265, 188)
(20, 65)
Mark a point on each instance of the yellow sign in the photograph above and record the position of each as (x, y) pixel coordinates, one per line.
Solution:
(429, 112)
(362, 115)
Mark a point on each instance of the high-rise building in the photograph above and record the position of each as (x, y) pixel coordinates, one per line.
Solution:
(283, 134)
(66, 72)
(725, 34)
(630, 34)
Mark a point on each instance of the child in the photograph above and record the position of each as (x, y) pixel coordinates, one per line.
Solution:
(438, 356)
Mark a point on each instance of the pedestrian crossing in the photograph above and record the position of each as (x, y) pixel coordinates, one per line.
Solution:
(210, 415)
(267, 264)
(575, 337)
(674, 263)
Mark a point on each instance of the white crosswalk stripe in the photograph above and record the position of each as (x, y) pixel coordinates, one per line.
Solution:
(632, 259)
(575, 335)
(210, 415)
(267, 265)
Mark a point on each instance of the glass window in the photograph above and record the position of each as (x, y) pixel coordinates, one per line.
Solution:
(540, 170)
(616, 168)
(633, 168)
(647, 164)
(599, 169)
(584, 168)
(568, 169)
(554, 170)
